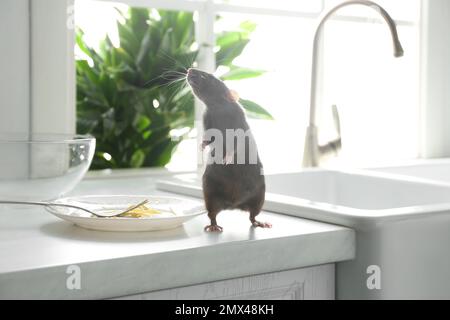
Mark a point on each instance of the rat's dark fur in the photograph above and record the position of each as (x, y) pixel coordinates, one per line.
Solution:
(227, 185)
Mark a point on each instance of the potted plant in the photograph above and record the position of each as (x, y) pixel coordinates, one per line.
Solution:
(129, 97)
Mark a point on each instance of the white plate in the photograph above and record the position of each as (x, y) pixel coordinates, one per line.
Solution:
(174, 213)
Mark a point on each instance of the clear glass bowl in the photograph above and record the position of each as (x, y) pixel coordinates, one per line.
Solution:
(41, 167)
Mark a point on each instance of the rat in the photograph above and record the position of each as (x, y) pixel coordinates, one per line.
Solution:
(236, 181)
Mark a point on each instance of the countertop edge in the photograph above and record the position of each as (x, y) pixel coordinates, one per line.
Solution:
(117, 277)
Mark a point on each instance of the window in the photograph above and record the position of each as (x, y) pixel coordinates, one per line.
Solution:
(377, 95)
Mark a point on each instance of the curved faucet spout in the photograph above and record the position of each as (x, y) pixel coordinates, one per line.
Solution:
(398, 49)
(312, 150)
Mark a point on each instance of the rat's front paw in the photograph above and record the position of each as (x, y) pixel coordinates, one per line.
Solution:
(257, 224)
(204, 144)
(213, 228)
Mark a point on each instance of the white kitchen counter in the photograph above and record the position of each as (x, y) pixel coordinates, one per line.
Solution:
(36, 248)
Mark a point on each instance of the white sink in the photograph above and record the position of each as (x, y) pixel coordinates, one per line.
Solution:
(402, 223)
(352, 198)
(430, 170)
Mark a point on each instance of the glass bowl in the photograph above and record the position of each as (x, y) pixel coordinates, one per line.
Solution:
(42, 167)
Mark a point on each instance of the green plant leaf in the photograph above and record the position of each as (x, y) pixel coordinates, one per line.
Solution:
(137, 159)
(138, 21)
(254, 110)
(228, 52)
(128, 40)
(239, 73)
(143, 50)
(228, 38)
(141, 122)
(248, 26)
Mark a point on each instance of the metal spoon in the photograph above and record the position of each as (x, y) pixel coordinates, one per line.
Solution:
(99, 215)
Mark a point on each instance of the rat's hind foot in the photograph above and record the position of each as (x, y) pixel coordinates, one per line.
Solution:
(213, 228)
(229, 158)
(257, 224)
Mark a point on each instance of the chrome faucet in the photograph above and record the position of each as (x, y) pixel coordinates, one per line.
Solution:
(313, 151)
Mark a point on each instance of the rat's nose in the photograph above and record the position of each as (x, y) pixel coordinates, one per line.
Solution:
(192, 74)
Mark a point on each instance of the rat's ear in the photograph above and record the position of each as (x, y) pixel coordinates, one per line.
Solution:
(233, 96)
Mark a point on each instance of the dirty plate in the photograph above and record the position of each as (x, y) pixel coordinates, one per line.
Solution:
(173, 212)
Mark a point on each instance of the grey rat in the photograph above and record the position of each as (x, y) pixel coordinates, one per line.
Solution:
(230, 184)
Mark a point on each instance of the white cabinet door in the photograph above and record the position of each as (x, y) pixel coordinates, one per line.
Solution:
(306, 283)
